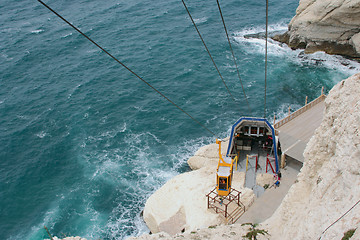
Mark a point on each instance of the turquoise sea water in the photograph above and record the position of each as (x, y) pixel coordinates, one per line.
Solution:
(83, 143)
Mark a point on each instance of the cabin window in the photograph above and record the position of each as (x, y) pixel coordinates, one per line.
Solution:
(246, 129)
(261, 131)
(223, 183)
(254, 130)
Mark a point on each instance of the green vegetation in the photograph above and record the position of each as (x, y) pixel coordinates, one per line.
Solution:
(253, 232)
(348, 234)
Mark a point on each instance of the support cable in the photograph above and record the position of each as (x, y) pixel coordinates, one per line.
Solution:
(266, 46)
(339, 218)
(97, 45)
(192, 20)
(232, 52)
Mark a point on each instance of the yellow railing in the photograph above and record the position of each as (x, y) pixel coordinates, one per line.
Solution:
(299, 111)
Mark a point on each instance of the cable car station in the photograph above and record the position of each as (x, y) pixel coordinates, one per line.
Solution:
(253, 147)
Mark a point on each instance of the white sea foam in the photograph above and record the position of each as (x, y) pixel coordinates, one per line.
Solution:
(256, 45)
(141, 109)
(6, 57)
(67, 35)
(73, 90)
(200, 20)
(150, 179)
(37, 31)
(42, 134)
(283, 111)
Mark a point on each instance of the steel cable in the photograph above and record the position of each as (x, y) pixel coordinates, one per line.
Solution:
(233, 55)
(97, 45)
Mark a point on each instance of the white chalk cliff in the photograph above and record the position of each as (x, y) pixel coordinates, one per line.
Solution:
(327, 186)
(329, 182)
(332, 26)
(181, 203)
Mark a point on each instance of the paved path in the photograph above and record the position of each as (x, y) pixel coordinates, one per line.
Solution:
(295, 134)
(266, 204)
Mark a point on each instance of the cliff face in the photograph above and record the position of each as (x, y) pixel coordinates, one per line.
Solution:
(328, 184)
(332, 26)
(181, 204)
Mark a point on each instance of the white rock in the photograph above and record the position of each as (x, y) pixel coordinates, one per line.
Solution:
(328, 184)
(355, 42)
(208, 155)
(181, 203)
(326, 25)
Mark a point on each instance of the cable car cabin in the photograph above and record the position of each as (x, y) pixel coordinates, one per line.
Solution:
(224, 177)
(224, 174)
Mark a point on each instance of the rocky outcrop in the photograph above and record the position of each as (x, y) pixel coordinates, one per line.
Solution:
(328, 184)
(181, 204)
(332, 26)
(208, 156)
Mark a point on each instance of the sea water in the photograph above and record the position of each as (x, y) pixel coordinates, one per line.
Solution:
(84, 143)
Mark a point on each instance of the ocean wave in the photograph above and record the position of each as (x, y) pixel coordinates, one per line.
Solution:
(256, 45)
(42, 134)
(37, 31)
(67, 35)
(283, 111)
(200, 20)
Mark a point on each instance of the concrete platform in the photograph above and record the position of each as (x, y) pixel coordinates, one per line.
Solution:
(296, 133)
(267, 203)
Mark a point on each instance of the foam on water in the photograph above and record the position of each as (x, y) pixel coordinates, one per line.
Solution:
(118, 167)
(37, 31)
(83, 143)
(200, 20)
(256, 45)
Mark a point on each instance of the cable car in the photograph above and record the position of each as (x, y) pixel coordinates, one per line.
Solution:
(224, 173)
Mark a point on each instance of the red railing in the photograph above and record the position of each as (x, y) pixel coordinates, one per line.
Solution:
(222, 204)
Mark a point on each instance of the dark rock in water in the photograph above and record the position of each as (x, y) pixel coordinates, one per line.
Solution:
(261, 35)
(283, 38)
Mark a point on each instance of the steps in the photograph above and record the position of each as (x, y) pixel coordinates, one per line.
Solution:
(229, 207)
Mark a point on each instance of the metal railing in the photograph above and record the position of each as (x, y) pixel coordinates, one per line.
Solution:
(299, 111)
(221, 205)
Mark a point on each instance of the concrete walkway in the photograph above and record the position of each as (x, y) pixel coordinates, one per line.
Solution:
(266, 204)
(295, 134)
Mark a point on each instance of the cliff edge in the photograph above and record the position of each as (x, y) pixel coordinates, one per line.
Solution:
(332, 26)
(181, 205)
(327, 186)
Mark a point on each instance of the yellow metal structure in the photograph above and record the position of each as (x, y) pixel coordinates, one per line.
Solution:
(236, 159)
(224, 174)
(247, 162)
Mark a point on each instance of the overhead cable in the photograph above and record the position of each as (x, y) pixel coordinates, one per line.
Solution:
(232, 52)
(97, 45)
(321, 235)
(217, 69)
(266, 52)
